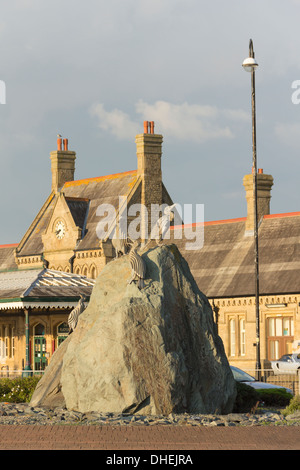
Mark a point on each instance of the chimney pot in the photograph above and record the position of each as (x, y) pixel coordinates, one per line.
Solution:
(260, 171)
(62, 164)
(146, 125)
(59, 143)
(151, 127)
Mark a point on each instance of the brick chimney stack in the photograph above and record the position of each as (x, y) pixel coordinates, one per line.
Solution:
(62, 164)
(264, 185)
(149, 152)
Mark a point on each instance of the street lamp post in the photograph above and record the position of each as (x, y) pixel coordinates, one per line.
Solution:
(250, 65)
(27, 370)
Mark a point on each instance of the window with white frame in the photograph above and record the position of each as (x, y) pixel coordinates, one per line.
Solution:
(280, 336)
(6, 341)
(3, 342)
(242, 337)
(232, 337)
(13, 342)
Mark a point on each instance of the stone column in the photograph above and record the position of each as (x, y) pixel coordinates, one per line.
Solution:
(62, 165)
(149, 152)
(27, 351)
(264, 185)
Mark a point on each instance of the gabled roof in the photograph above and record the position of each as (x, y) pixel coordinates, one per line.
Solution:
(100, 190)
(83, 197)
(42, 288)
(31, 243)
(224, 266)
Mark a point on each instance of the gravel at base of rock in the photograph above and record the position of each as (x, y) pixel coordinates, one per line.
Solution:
(25, 414)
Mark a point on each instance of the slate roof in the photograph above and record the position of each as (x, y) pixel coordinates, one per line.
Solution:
(79, 210)
(31, 243)
(224, 267)
(7, 260)
(100, 190)
(42, 287)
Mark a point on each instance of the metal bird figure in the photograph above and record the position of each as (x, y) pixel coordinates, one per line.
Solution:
(74, 314)
(138, 265)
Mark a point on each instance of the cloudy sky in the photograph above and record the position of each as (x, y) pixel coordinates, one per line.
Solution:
(94, 70)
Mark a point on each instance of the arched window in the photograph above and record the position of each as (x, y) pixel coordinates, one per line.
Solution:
(62, 332)
(85, 270)
(93, 272)
(39, 330)
(77, 270)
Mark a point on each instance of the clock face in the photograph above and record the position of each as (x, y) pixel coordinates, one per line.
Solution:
(60, 229)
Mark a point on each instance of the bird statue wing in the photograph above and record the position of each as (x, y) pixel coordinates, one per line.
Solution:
(138, 265)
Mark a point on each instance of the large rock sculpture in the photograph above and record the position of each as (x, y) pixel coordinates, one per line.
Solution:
(151, 351)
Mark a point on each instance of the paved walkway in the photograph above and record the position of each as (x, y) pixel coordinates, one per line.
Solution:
(48, 437)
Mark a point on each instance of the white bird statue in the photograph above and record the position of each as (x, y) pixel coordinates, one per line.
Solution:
(138, 265)
(74, 314)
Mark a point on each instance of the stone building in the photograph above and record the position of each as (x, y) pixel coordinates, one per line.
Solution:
(34, 307)
(64, 245)
(224, 271)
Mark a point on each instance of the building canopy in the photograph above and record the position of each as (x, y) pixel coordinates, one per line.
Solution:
(42, 288)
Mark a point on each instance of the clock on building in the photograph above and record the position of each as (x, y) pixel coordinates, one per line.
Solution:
(60, 229)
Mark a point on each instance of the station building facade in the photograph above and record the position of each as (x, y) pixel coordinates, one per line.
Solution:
(61, 254)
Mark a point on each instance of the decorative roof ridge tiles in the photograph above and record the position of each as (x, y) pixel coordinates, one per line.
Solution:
(285, 214)
(212, 222)
(231, 221)
(98, 178)
(9, 245)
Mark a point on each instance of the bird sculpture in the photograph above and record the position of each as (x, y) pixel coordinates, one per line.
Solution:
(120, 242)
(74, 314)
(162, 225)
(138, 265)
(121, 245)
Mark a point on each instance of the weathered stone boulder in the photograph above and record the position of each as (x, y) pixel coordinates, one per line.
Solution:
(150, 351)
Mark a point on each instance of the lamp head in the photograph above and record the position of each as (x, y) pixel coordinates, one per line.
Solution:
(250, 63)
